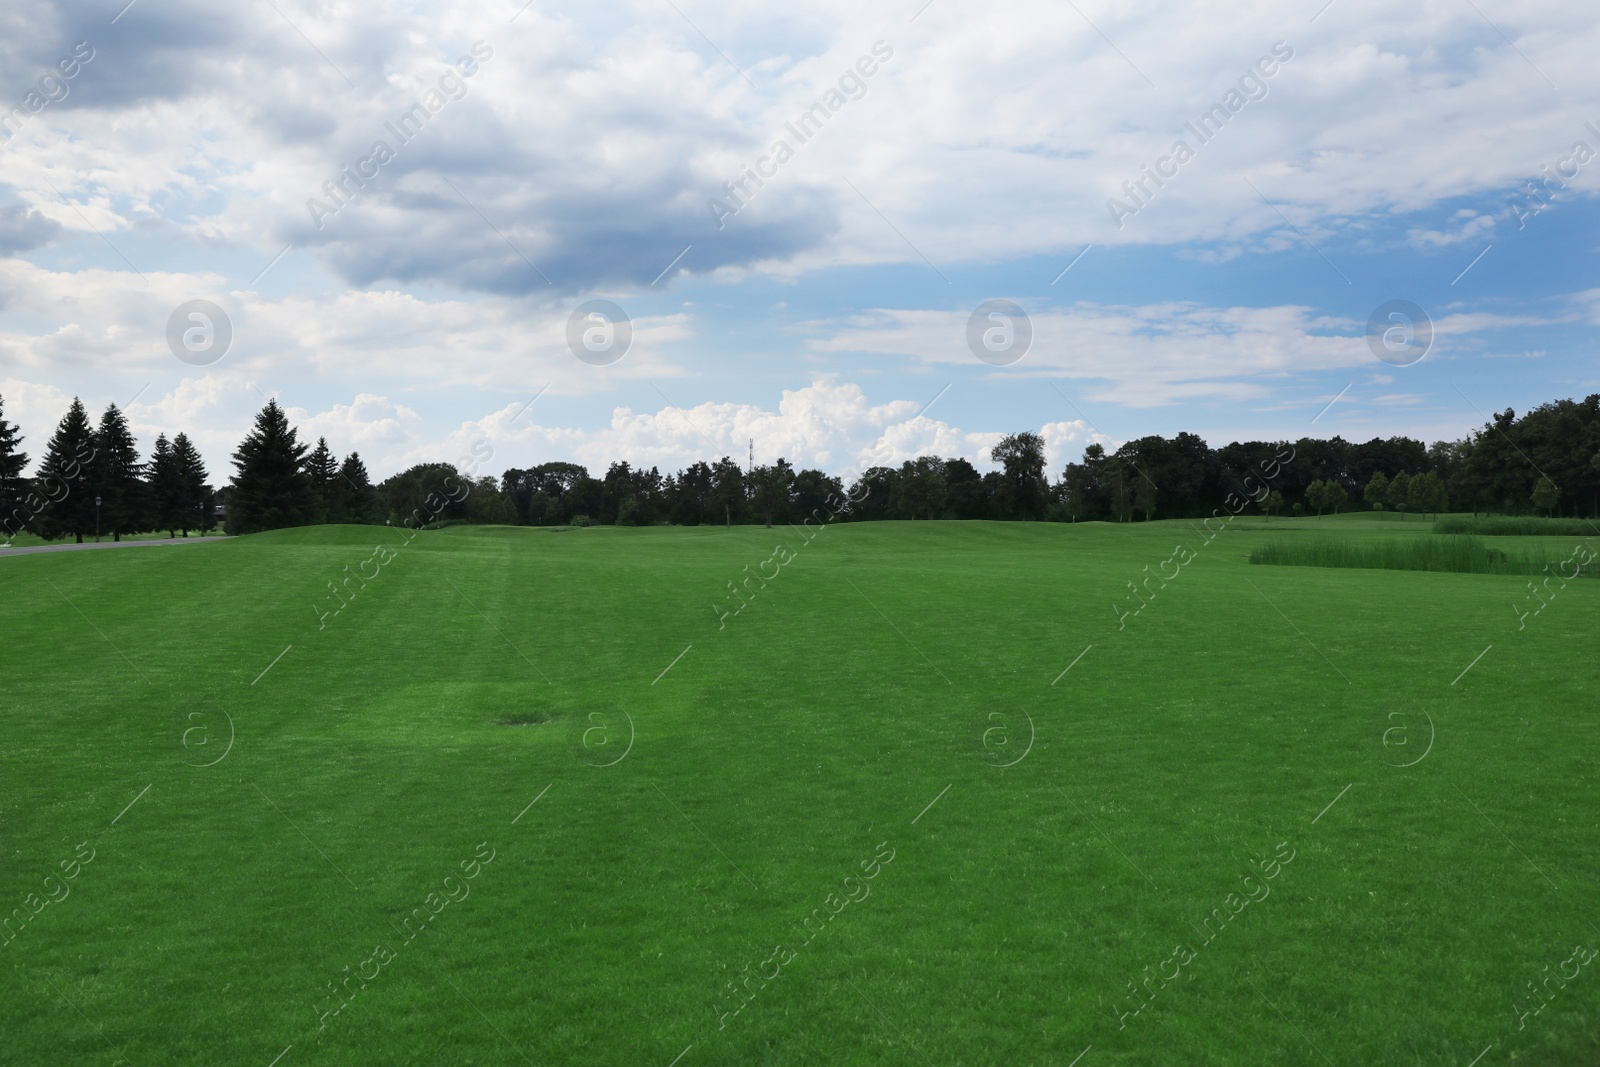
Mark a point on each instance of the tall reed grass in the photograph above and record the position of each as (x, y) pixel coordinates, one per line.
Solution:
(1517, 526)
(1455, 554)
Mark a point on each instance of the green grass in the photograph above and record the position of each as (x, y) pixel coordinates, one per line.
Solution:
(1516, 525)
(853, 703)
(1455, 555)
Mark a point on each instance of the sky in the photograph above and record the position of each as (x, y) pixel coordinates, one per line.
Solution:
(846, 234)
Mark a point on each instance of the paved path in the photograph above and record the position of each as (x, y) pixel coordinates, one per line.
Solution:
(107, 544)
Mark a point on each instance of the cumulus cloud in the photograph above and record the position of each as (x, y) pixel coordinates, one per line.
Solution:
(93, 320)
(36, 408)
(583, 153)
(828, 424)
(580, 155)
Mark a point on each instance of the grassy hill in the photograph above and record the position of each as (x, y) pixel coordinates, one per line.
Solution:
(886, 745)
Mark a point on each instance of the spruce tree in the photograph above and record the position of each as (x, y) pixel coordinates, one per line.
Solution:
(115, 476)
(14, 513)
(163, 490)
(194, 495)
(270, 488)
(323, 469)
(358, 500)
(63, 478)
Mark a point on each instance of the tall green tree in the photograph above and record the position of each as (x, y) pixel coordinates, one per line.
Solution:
(817, 494)
(873, 492)
(1427, 494)
(1118, 484)
(1376, 491)
(1317, 496)
(1144, 497)
(195, 509)
(196, 499)
(1021, 456)
(1399, 495)
(63, 478)
(1334, 495)
(1546, 495)
(771, 488)
(117, 477)
(728, 482)
(920, 486)
(164, 488)
(426, 493)
(270, 487)
(488, 506)
(358, 500)
(14, 513)
(322, 467)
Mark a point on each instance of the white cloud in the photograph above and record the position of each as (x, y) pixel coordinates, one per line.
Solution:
(583, 153)
(828, 424)
(594, 136)
(1155, 354)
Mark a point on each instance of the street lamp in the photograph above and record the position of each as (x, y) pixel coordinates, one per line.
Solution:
(97, 520)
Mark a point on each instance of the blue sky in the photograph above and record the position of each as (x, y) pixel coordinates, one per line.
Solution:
(574, 152)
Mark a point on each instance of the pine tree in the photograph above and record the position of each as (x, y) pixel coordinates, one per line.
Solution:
(164, 489)
(13, 488)
(115, 476)
(63, 479)
(270, 489)
(323, 469)
(194, 511)
(358, 501)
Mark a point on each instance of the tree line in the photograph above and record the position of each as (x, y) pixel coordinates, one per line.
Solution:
(91, 482)
(1546, 461)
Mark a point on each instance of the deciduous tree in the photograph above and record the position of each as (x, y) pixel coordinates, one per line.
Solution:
(1376, 491)
(1317, 496)
(1021, 457)
(1546, 495)
(1399, 494)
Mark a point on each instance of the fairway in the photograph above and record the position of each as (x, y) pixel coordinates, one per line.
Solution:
(935, 794)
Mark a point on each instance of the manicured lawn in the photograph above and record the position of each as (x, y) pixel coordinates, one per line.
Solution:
(858, 707)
